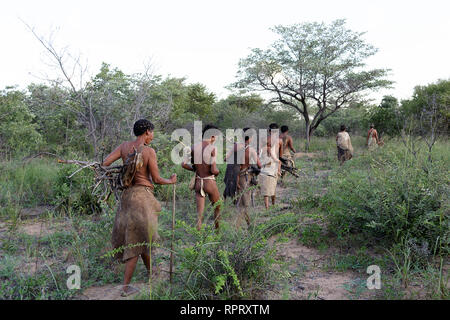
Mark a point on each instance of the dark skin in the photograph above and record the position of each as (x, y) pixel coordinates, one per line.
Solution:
(289, 142)
(288, 146)
(250, 153)
(278, 150)
(150, 168)
(207, 168)
(375, 134)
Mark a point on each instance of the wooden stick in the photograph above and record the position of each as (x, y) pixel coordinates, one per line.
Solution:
(173, 235)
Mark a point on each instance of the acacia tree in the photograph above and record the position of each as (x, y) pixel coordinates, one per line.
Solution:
(314, 68)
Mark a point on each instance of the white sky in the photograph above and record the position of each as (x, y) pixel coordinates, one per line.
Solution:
(204, 40)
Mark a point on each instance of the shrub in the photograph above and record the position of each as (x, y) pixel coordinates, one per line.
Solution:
(75, 193)
(231, 264)
(389, 200)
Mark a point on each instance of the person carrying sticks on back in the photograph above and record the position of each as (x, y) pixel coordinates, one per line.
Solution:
(372, 138)
(271, 166)
(245, 156)
(136, 220)
(344, 145)
(205, 174)
(287, 147)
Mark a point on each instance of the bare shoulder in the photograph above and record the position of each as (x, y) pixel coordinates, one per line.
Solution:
(149, 151)
(124, 147)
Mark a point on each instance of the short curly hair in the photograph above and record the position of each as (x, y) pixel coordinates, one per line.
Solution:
(141, 126)
(206, 128)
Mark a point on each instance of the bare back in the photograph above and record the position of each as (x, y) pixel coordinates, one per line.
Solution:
(208, 165)
(142, 176)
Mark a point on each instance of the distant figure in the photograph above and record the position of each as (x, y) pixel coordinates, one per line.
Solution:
(372, 138)
(344, 145)
(287, 147)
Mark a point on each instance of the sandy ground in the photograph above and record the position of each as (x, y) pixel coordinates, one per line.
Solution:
(110, 292)
(313, 282)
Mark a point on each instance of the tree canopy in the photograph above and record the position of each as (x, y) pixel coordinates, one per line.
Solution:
(314, 68)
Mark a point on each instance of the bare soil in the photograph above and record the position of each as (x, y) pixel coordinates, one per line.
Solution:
(312, 282)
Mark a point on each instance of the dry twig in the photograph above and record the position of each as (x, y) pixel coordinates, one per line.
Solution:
(108, 177)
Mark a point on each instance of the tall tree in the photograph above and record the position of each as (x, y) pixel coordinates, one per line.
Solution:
(18, 132)
(385, 117)
(425, 98)
(314, 68)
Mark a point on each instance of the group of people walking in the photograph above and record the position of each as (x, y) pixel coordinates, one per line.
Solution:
(136, 221)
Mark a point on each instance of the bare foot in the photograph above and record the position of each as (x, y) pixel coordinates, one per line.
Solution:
(128, 290)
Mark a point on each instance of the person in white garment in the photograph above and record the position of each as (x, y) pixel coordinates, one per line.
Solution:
(271, 166)
(344, 145)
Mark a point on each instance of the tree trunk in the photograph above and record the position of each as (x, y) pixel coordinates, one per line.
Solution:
(308, 136)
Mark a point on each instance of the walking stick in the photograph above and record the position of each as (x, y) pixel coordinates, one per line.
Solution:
(173, 234)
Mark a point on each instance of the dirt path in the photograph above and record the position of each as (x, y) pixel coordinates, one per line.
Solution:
(110, 292)
(309, 279)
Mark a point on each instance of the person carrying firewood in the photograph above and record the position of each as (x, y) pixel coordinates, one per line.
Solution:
(136, 220)
(287, 147)
(243, 156)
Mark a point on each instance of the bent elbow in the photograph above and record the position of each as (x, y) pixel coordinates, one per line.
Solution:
(158, 180)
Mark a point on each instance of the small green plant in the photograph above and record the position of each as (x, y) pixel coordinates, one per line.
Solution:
(312, 235)
(75, 193)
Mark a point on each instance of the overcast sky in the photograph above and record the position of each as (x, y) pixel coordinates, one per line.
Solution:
(204, 40)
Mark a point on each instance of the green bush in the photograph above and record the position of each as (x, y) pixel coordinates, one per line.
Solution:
(386, 198)
(75, 193)
(26, 184)
(231, 264)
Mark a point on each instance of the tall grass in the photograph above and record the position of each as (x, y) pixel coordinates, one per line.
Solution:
(24, 185)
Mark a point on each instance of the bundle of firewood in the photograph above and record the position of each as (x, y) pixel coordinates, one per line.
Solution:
(286, 167)
(107, 180)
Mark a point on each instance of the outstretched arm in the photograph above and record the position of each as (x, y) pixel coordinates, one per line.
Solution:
(113, 156)
(154, 171)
